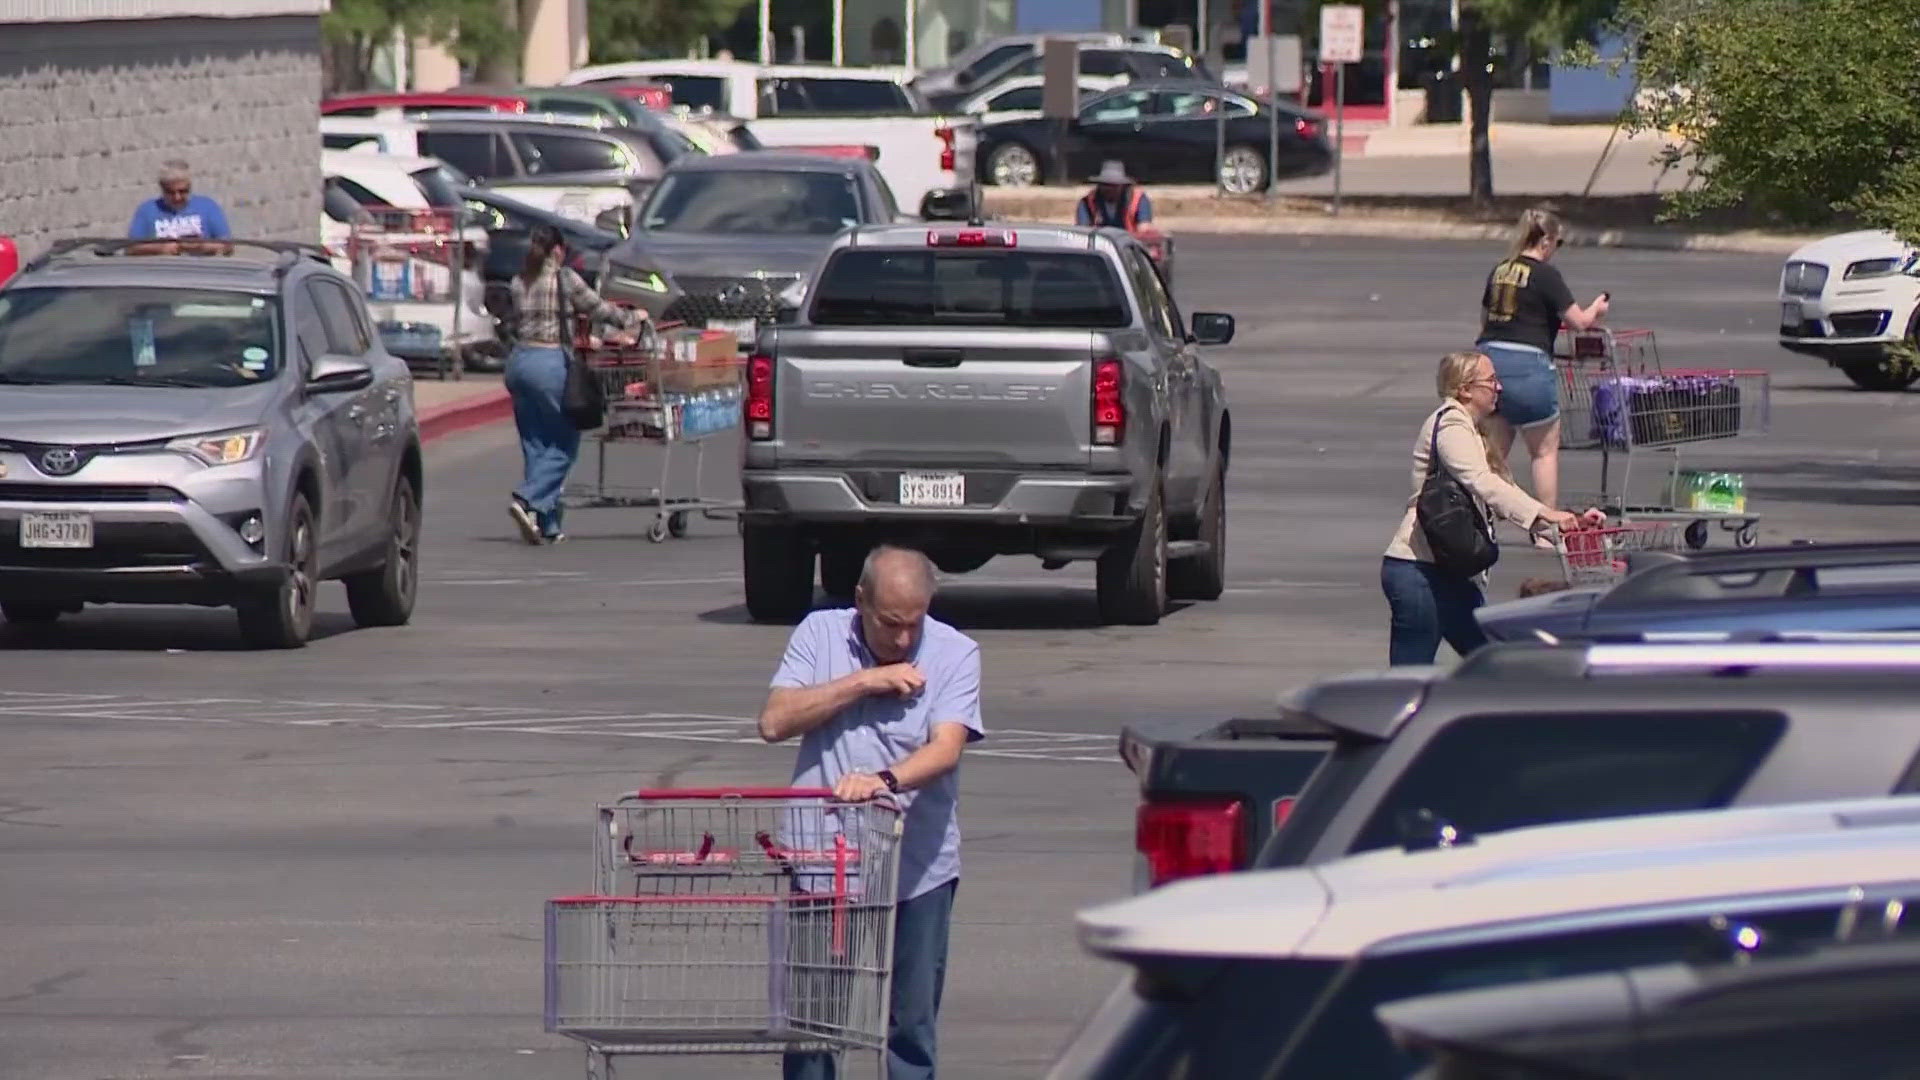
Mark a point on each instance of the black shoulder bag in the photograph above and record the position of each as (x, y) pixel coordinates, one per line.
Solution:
(582, 400)
(1457, 533)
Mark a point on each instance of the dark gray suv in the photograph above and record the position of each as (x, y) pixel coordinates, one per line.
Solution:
(212, 430)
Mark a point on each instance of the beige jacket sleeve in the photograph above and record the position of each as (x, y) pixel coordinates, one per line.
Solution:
(1464, 454)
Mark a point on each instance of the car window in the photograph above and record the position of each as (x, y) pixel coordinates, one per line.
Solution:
(1149, 65)
(203, 337)
(694, 92)
(441, 185)
(745, 203)
(1508, 771)
(1347, 1039)
(475, 153)
(889, 208)
(341, 206)
(1025, 97)
(1104, 62)
(1032, 65)
(351, 110)
(782, 96)
(1186, 105)
(1119, 108)
(993, 59)
(345, 333)
(335, 141)
(571, 107)
(358, 192)
(1000, 288)
(548, 154)
(1156, 304)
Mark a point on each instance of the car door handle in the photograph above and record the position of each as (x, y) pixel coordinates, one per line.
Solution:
(931, 358)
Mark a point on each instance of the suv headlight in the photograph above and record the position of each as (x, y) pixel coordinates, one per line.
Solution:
(221, 447)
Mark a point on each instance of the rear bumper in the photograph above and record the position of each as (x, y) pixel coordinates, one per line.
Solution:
(1004, 499)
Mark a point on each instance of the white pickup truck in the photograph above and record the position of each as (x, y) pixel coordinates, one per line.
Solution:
(791, 105)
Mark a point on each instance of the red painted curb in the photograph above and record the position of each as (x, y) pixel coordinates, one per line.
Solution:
(456, 416)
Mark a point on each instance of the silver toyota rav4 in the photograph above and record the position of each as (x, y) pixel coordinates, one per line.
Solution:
(212, 430)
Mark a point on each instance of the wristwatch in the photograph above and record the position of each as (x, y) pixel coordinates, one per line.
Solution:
(886, 777)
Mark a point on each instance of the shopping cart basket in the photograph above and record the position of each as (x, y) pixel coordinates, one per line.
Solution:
(1597, 556)
(749, 920)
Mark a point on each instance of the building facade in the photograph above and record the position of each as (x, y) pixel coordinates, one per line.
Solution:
(95, 94)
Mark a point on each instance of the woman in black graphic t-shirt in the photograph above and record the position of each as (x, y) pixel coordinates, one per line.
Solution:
(1524, 303)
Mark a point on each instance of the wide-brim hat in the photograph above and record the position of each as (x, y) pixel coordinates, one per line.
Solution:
(1112, 172)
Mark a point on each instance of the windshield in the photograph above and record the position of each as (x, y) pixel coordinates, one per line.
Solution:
(750, 203)
(137, 336)
(1012, 288)
(441, 185)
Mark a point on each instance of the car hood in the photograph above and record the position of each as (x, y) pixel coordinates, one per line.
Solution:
(1561, 614)
(704, 255)
(98, 415)
(1851, 247)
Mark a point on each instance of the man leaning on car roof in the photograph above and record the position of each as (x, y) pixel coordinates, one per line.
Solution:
(179, 222)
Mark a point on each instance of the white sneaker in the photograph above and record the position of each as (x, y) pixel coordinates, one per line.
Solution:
(522, 516)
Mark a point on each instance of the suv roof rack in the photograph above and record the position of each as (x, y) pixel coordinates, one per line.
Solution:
(1855, 654)
(289, 251)
(1756, 572)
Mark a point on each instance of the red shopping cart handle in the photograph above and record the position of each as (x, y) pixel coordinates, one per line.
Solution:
(732, 793)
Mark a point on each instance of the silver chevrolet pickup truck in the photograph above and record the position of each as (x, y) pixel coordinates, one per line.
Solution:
(979, 390)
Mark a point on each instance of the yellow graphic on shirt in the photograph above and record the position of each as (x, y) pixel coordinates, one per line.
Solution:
(1508, 279)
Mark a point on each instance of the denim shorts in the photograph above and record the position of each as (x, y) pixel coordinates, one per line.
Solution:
(1529, 385)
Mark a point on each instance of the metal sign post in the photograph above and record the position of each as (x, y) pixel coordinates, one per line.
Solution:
(1342, 42)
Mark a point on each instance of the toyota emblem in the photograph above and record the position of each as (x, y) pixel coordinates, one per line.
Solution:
(60, 461)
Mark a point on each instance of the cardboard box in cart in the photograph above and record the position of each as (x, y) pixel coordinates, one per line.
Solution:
(703, 358)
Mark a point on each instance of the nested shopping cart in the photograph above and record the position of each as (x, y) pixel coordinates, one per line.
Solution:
(1618, 398)
(1599, 556)
(729, 921)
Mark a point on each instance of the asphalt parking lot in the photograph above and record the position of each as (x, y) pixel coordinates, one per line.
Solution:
(331, 862)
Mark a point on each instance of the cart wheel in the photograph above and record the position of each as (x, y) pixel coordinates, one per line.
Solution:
(1748, 536)
(677, 523)
(658, 531)
(1697, 535)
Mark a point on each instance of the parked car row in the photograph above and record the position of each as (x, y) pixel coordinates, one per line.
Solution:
(1635, 789)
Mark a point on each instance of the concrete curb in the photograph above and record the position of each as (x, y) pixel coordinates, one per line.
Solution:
(464, 414)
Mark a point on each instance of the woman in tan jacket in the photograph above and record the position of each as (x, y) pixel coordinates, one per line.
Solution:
(1429, 604)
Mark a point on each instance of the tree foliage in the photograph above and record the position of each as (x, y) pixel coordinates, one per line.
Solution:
(1541, 24)
(474, 31)
(1800, 108)
(638, 29)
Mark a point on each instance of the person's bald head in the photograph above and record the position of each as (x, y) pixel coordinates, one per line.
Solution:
(896, 587)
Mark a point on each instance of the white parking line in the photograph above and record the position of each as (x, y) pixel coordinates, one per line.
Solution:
(1018, 744)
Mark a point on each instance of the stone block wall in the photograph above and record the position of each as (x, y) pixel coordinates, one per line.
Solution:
(89, 110)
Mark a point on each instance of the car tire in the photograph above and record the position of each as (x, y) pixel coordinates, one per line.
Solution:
(1019, 162)
(283, 617)
(777, 565)
(1204, 577)
(1131, 577)
(1243, 170)
(30, 612)
(384, 596)
(840, 566)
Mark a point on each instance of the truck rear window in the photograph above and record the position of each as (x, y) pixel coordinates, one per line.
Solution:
(971, 287)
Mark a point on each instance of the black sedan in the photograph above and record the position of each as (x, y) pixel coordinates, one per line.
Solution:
(1164, 132)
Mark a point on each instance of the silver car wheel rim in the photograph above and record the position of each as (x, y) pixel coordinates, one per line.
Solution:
(1240, 172)
(300, 575)
(404, 542)
(1013, 166)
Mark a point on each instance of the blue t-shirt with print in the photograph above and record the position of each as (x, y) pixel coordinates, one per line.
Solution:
(200, 219)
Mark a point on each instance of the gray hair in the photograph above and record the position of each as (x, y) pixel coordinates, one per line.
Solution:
(923, 569)
(174, 171)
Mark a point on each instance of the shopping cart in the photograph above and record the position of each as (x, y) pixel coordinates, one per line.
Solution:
(1617, 397)
(1599, 556)
(735, 921)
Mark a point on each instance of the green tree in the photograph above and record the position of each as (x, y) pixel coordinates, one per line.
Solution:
(640, 29)
(1541, 24)
(1795, 108)
(475, 31)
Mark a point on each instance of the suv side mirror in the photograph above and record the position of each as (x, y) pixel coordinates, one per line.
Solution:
(339, 375)
(1212, 328)
(947, 204)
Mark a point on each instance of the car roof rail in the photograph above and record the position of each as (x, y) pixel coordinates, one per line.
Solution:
(1812, 651)
(289, 251)
(1793, 570)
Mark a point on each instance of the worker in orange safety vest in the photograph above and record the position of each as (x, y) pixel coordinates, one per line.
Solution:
(1115, 200)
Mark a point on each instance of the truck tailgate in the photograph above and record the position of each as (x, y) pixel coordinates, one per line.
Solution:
(977, 397)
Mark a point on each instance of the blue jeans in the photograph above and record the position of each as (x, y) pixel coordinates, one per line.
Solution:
(1429, 605)
(1529, 384)
(549, 443)
(919, 976)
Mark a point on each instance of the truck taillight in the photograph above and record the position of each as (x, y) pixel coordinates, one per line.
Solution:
(759, 397)
(1191, 837)
(972, 238)
(1109, 410)
(948, 156)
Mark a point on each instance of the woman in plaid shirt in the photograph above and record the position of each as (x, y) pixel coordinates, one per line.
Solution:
(537, 377)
